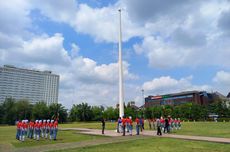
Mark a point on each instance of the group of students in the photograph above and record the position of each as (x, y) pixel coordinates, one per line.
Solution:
(165, 125)
(35, 129)
(126, 125)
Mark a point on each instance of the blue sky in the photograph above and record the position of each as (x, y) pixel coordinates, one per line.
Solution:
(167, 46)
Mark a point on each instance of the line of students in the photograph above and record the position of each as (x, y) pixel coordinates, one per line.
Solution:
(37, 129)
(167, 125)
(126, 125)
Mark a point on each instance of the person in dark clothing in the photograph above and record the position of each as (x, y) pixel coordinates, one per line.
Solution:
(158, 127)
(166, 128)
(103, 125)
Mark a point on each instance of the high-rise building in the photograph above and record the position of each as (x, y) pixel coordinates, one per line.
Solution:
(32, 85)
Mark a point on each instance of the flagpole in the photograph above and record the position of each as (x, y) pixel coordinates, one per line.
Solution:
(121, 89)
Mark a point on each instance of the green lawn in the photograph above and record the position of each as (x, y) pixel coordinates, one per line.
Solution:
(156, 145)
(7, 136)
(220, 129)
(212, 129)
(90, 125)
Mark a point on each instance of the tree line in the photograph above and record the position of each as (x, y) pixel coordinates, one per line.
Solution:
(11, 111)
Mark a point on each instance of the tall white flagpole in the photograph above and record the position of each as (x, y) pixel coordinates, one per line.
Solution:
(121, 90)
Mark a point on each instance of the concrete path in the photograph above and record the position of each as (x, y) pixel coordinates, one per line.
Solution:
(113, 133)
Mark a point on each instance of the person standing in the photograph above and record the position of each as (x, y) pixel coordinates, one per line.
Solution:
(158, 127)
(130, 122)
(166, 128)
(103, 125)
(55, 129)
(31, 129)
(47, 128)
(118, 125)
(51, 125)
(123, 125)
(18, 130)
(137, 125)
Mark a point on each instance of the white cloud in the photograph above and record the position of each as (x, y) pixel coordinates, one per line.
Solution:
(81, 79)
(166, 84)
(222, 78)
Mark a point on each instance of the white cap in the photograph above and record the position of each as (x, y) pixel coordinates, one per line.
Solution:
(48, 120)
(52, 120)
(44, 120)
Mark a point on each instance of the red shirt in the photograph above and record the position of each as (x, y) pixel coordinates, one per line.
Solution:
(137, 121)
(55, 124)
(31, 124)
(123, 121)
(19, 124)
(44, 124)
(26, 125)
(51, 125)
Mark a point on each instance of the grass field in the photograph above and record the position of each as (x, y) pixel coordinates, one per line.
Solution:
(156, 145)
(212, 129)
(7, 136)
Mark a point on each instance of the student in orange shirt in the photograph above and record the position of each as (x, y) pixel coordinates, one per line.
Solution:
(51, 125)
(43, 129)
(47, 127)
(137, 125)
(123, 125)
(55, 129)
(18, 129)
(130, 122)
(31, 129)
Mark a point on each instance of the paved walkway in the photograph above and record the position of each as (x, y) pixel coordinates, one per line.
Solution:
(113, 133)
(115, 138)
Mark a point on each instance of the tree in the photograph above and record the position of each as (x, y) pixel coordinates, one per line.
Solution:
(109, 114)
(81, 112)
(41, 111)
(9, 111)
(23, 109)
(97, 112)
(57, 111)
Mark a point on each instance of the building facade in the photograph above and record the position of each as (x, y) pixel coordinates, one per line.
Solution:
(28, 84)
(198, 97)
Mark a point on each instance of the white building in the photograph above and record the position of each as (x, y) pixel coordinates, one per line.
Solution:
(28, 84)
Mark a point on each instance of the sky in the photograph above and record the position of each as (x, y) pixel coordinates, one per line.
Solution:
(168, 46)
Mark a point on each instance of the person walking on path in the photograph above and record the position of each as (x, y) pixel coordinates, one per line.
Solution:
(158, 127)
(137, 126)
(166, 128)
(103, 125)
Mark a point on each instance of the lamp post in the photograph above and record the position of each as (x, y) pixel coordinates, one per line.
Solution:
(143, 97)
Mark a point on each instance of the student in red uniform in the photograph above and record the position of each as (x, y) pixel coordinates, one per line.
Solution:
(137, 125)
(31, 129)
(26, 128)
(47, 128)
(35, 129)
(130, 122)
(51, 125)
(55, 129)
(18, 129)
(123, 125)
(39, 126)
(22, 128)
(43, 128)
